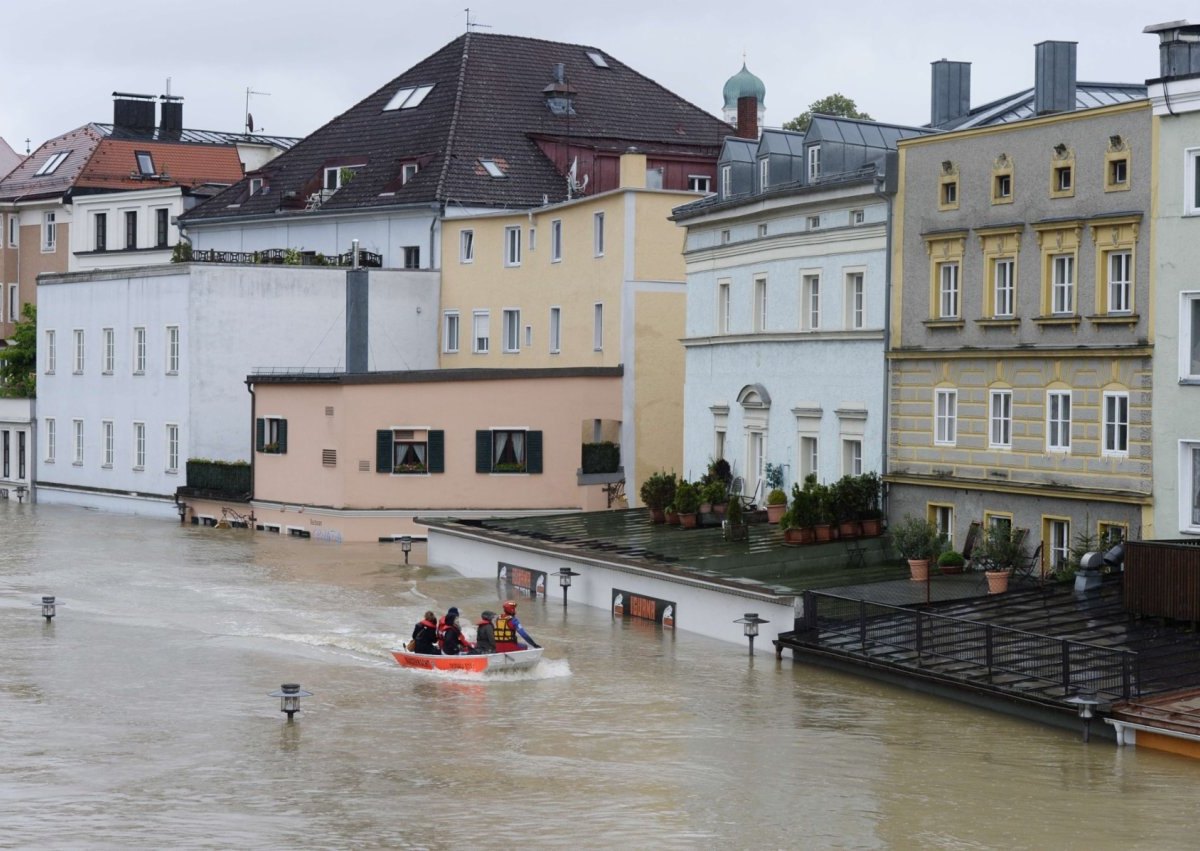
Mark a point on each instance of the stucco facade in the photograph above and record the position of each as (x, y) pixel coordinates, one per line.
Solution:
(1021, 328)
(16, 448)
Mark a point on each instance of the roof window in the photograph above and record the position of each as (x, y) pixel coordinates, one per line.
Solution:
(51, 164)
(492, 168)
(145, 163)
(597, 58)
(409, 98)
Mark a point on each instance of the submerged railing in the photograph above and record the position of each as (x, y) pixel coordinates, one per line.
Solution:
(287, 257)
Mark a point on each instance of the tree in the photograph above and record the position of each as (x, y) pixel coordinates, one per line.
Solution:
(834, 104)
(18, 362)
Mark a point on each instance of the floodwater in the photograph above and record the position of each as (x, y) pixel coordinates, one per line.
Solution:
(139, 718)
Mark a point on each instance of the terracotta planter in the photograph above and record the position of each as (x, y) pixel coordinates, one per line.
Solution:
(872, 527)
(718, 508)
(775, 512)
(848, 529)
(688, 521)
(919, 568)
(706, 508)
(792, 535)
(997, 580)
(824, 532)
(948, 570)
(672, 518)
(657, 516)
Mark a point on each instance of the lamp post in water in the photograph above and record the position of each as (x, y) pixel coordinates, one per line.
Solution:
(289, 695)
(405, 546)
(750, 627)
(48, 608)
(564, 579)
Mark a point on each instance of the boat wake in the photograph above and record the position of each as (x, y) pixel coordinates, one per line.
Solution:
(546, 669)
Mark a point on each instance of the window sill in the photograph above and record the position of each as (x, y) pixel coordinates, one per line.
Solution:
(171, 472)
(106, 466)
(76, 463)
(1114, 319)
(1189, 381)
(139, 372)
(410, 472)
(944, 324)
(139, 469)
(172, 372)
(1006, 322)
(77, 372)
(1072, 320)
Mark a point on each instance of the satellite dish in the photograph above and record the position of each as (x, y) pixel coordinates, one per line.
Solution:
(249, 123)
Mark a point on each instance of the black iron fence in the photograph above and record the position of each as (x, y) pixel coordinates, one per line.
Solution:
(288, 257)
(967, 650)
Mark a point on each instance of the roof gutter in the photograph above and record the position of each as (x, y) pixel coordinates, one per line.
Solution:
(276, 217)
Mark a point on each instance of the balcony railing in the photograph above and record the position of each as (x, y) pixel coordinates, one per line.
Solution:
(288, 257)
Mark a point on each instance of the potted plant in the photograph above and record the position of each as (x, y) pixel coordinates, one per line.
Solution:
(776, 505)
(870, 489)
(805, 513)
(951, 562)
(734, 526)
(719, 471)
(823, 511)
(687, 500)
(672, 514)
(657, 492)
(1001, 548)
(843, 496)
(918, 541)
(714, 495)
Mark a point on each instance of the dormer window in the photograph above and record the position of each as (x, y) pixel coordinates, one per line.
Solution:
(339, 175)
(256, 185)
(492, 168)
(408, 171)
(51, 164)
(408, 98)
(764, 174)
(145, 163)
(814, 163)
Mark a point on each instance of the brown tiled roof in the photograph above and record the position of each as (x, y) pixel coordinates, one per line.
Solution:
(23, 183)
(113, 165)
(487, 102)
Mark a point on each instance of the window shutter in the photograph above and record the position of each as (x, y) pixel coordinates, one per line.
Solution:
(437, 451)
(282, 437)
(533, 451)
(483, 452)
(260, 434)
(383, 450)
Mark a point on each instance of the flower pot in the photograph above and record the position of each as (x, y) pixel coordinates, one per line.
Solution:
(997, 580)
(672, 518)
(775, 512)
(705, 508)
(657, 515)
(718, 508)
(950, 570)
(848, 529)
(919, 568)
(824, 532)
(808, 535)
(872, 527)
(794, 535)
(735, 531)
(688, 521)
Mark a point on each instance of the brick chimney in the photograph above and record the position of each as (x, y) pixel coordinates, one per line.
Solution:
(747, 117)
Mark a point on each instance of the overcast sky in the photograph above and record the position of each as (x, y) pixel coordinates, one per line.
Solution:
(316, 58)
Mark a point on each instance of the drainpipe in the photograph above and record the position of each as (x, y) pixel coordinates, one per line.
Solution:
(881, 192)
(253, 447)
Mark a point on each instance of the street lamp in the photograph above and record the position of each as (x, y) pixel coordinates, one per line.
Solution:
(1086, 703)
(289, 695)
(48, 608)
(564, 579)
(20, 493)
(750, 627)
(405, 546)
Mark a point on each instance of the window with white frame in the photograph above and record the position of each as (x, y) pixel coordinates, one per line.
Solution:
(532, 238)
(480, 333)
(852, 457)
(945, 417)
(1062, 291)
(110, 347)
(948, 291)
(1057, 533)
(512, 246)
(1003, 292)
(858, 217)
(49, 232)
(598, 327)
(1189, 486)
(139, 446)
(555, 330)
(556, 244)
(810, 302)
(162, 221)
(1058, 420)
(79, 351)
(77, 427)
(1000, 419)
(412, 256)
(814, 222)
(172, 350)
(764, 174)
(699, 183)
(724, 304)
(100, 230)
(762, 230)
(14, 303)
(726, 181)
(409, 170)
(1116, 423)
(511, 330)
(51, 439)
(172, 448)
(51, 353)
(466, 246)
(1189, 336)
(814, 163)
(1191, 182)
(598, 234)
(810, 456)
(855, 301)
(13, 230)
(1120, 282)
(256, 185)
(760, 304)
(942, 517)
(107, 431)
(139, 351)
(450, 331)
(131, 229)
(339, 175)
(726, 236)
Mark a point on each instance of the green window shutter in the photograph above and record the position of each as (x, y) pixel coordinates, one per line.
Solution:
(383, 450)
(437, 451)
(533, 452)
(483, 452)
(260, 434)
(282, 437)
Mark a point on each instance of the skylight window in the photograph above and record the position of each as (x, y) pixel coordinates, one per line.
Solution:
(597, 58)
(408, 98)
(492, 169)
(51, 164)
(145, 163)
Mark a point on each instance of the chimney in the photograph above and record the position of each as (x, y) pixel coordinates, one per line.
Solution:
(1054, 77)
(133, 112)
(357, 316)
(950, 96)
(170, 119)
(747, 117)
(1178, 48)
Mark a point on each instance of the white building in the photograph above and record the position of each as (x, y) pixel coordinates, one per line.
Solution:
(16, 447)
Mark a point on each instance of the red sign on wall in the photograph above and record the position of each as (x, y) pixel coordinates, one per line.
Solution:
(629, 605)
(527, 582)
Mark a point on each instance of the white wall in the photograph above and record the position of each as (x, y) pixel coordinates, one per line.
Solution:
(115, 204)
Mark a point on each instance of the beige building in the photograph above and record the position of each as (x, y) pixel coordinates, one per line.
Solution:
(593, 282)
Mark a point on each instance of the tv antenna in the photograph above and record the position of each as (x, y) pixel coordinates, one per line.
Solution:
(472, 24)
(249, 117)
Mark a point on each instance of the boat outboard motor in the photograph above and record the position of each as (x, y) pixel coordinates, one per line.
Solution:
(1088, 577)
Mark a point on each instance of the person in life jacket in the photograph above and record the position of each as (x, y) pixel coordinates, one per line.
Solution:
(507, 628)
(485, 633)
(453, 641)
(441, 626)
(425, 635)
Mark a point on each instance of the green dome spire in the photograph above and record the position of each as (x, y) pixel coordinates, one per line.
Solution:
(744, 84)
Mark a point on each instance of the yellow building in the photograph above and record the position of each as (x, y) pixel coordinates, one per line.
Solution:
(597, 281)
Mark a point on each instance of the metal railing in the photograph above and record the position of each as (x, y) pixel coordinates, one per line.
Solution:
(288, 257)
(966, 650)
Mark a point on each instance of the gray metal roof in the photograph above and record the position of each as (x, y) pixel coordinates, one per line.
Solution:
(860, 133)
(210, 137)
(1019, 106)
(788, 142)
(739, 150)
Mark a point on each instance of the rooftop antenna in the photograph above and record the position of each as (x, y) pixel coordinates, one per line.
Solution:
(472, 24)
(249, 117)
(26, 145)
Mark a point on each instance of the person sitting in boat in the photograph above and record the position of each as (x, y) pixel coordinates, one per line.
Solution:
(507, 628)
(453, 640)
(441, 627)
(425, 635)
(485, 633)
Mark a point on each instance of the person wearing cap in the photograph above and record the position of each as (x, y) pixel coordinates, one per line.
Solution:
(508, 627)
(425, 635)
(441, 626)
(485, 633)
(453, 640)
